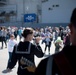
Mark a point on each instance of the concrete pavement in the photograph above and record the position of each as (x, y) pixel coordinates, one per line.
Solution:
(4, 59)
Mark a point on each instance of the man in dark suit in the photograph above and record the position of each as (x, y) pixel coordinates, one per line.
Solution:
(64, 62)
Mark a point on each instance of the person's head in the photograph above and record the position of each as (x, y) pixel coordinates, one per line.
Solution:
(28, 34)
(12, 36)
(72, 27)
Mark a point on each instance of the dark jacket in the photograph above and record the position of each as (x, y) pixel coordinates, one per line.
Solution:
(24, 50)
(70, 54)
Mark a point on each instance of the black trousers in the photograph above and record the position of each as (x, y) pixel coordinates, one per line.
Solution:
(48, 46)
(3, 40)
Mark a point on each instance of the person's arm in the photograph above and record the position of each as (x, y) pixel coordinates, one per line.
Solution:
(37, 49)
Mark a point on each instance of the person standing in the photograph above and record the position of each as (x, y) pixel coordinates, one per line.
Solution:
(24, 52)
(48, 41)
(1, 34)
(11, 43)
(58, 45)
(4, 34)
(64, 62)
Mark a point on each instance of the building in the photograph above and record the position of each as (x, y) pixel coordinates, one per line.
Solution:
(46, 12)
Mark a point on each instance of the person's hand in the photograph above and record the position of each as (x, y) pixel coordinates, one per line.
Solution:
(37, 39)
(31, 69)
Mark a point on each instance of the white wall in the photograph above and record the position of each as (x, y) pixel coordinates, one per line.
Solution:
(59, 14)
(22, 7)
(19, 4)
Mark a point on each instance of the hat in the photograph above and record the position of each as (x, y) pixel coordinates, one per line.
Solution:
(73, 17)
(27, 31)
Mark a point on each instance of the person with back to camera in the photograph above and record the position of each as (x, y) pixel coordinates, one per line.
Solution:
(24, 53)
(64, 62)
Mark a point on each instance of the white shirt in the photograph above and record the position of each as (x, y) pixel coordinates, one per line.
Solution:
(11, 44)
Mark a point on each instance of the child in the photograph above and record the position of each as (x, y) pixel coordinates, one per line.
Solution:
(58, 44)
(11, 43)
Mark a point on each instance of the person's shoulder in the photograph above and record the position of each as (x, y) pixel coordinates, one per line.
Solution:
(20, 43)
(33, 44)
(69, 47)
(15, 41)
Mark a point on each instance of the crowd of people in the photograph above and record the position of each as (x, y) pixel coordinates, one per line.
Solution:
(64, 62)
(47, 33)
(64, 39)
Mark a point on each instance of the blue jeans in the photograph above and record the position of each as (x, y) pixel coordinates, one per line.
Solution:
(9, 60)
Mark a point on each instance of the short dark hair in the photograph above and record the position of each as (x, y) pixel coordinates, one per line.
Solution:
(73, 17)
(27, 31)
